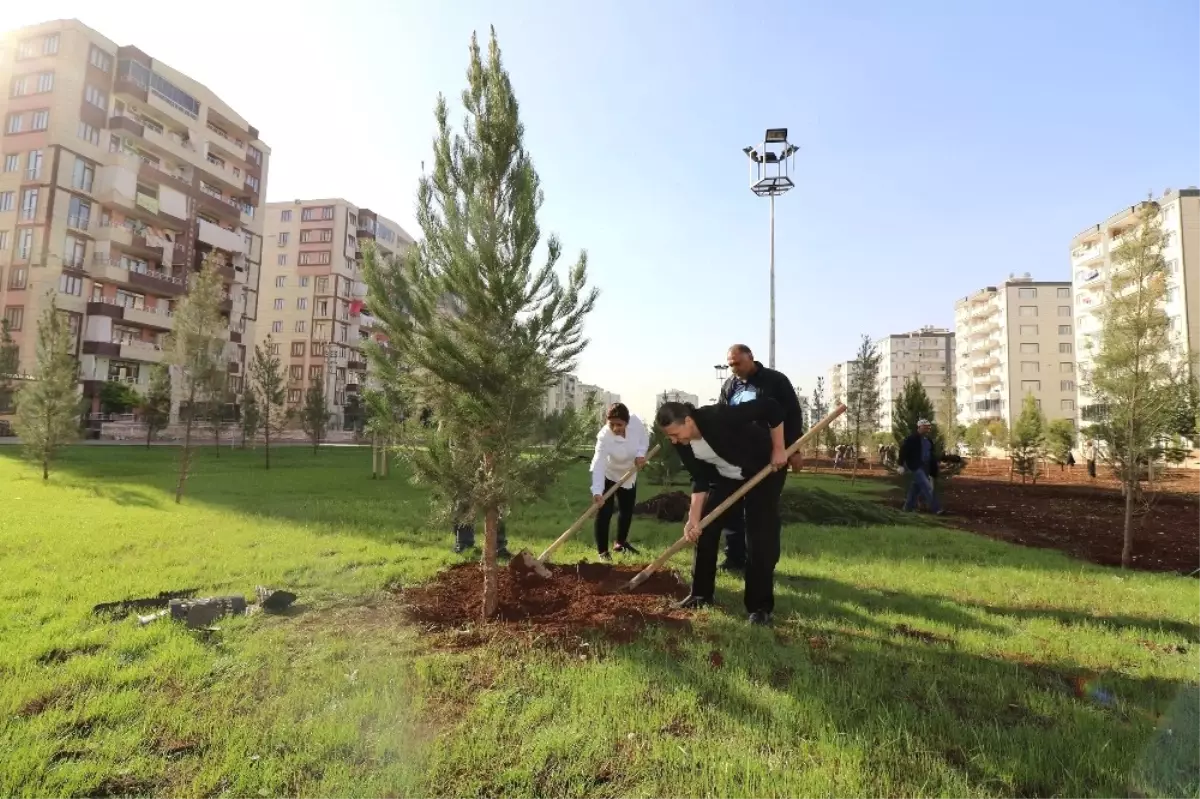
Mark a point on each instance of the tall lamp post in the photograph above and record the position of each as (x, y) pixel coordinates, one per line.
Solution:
(721, 369)
(769, 178)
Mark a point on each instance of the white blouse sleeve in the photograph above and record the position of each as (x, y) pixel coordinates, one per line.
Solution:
(640, 435)
(599, 461)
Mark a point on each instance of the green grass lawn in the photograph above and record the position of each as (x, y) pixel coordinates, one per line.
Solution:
(907, 659)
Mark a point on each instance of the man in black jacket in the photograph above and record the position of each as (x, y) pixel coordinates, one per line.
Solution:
(918, 459)
(722, 447)
(750, 381)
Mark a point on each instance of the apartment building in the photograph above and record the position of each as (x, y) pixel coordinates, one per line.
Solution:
(1092, 268)
(313, 299)
(119, 176)
(837, 383)
(675, 395)
(926, 354)
(569, 392)
(1015, 339)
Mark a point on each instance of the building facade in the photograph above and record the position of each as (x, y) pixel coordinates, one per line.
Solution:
(1011, 340)
(837, 384)
(313, 309)
(1092, 268)
(569, 392)
(675, 395)
(926, 354)
(119, 176)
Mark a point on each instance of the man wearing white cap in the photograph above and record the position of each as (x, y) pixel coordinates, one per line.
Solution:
(918, 458)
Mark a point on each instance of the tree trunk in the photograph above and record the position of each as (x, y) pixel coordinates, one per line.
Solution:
(267, 438)
(1127, 546)
(149, 434)
(217, 434)
(185, 457)
(491, 577)
(45, 465)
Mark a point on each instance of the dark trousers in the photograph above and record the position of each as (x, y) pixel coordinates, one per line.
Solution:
(762, 526)
(1091, 468)
(464, 536)
(623, 499)
(735, 534)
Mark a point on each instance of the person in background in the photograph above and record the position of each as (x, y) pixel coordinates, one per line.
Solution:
(464, 532)
(723, 446)
(621, 445)
(750, 380)
(919, 459)
(1089, 455)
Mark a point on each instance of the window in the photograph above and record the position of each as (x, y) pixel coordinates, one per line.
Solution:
(1027, 294)
(1170, 295)
(14, 123)
(50, 44)
(296, 372)
(7, 200)
(304, 281)
(1066, 385)
(319, 235)
(280, 281)
(322, 285)
(302, 303)
(1066, 405)
(1066, 368)
(70, 284)
(274, 348)
(41, 120)
(1031, 385)
(29, 201)
(33, 163)
(25, 242)
(88, 133)
(95, 97)
(83, 175)
(20, 86)
(323, 308)
(318, 348)
(1064, 310)
(12, 162)
(314, 373)
(279, 303)
(285, 215)
(277, 327)
(1030, 367)
(1064, 330)
(252, 182)
(315, 214)
(1027, 311)
(1064, 292)
(14, 316)
(294, 395)
(314, 258)
(255, 155)
(74, 252)
(297, 349)
(100, 59)
(282, 239)
(301, 326)
(16, 277)
(45, 82)
(281, 260)
(1172, 266)
(1029, 330)
(79, 214)
(1028, 348)
(1066, 347)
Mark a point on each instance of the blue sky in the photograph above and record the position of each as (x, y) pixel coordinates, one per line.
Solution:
(944, 145)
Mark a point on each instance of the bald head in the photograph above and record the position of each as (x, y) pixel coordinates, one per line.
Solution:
(741, 360)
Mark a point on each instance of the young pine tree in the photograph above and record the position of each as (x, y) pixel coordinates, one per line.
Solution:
(216, 387)
(913, 404)
(1060, 438)
(48, 406)
(251, 418)
(1027, 444)
(10, 366)
(314, 415)
(194, 349)
(1136, 372)
(863, 400)
(482, 331)
(270, 384)
(156, 405)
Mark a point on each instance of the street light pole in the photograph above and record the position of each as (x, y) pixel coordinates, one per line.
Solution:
(769, 178)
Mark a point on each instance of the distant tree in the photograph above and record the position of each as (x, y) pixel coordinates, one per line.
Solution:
(950, 432)
(998, 435)
(1140, 364)
(194, 348)
(819, 409)
(251, 418)
(863, 399)
(118, 397)
(976, 438)
(911, 405)
(1028, 443)
(47, 416)
(666, 465)
(314, 415)
(270, 383)
(10, 366)
(217, 391)
(1060, 440)
(156, 404)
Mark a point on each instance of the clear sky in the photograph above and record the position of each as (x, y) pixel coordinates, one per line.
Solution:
(944, 145)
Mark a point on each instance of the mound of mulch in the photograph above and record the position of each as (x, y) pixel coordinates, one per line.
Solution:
(573, 600)
(669, 506)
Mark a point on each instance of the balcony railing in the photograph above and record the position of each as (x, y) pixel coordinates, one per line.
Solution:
(33, 173)
(100, 259)
(144, 309)
(79, 222)
(28, 213)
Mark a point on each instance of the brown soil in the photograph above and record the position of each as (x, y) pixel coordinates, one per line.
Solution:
(670, 506)
(573, 600)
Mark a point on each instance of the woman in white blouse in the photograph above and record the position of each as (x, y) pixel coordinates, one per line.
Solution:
(620, 445)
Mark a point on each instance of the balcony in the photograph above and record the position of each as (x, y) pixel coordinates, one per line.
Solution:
(1081, 255)
(104, 267)
(140, 351)
(224, 141)
(125, 124)
(216, 236)
(115, 233)
(222, 207)
(80, 223)
(216, 168)
(171, 144)
(356, 363)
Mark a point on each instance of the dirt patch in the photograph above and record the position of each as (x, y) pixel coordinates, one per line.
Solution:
(920, 635)
(715, 659)
(670, 506)
(63, 655)
(572, 601)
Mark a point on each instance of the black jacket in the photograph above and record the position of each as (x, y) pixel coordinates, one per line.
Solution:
(774, 384)
(910, 455)
(739, 434)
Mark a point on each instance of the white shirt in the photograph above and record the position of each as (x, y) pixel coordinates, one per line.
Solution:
(704, 452)
(615, 454)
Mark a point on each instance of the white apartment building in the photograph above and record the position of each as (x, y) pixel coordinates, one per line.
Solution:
(926, 354)
(837, 383)
(675, 395)
(1015, 339)
(571, 393)
(1091, 273)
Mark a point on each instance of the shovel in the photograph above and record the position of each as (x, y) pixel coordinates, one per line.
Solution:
(595, 506)
(716, 513)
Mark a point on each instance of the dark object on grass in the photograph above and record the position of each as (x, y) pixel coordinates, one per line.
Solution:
(126, 606)
(671, 506)
(273, 600)
(203, 612)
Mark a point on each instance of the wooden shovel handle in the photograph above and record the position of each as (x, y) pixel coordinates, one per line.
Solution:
(732, 499)
(595, 506)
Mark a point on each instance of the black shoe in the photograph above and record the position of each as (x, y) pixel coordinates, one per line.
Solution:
(733, 565)
(760, 618)
(693, 602)
(606, 557)
(625, 549)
